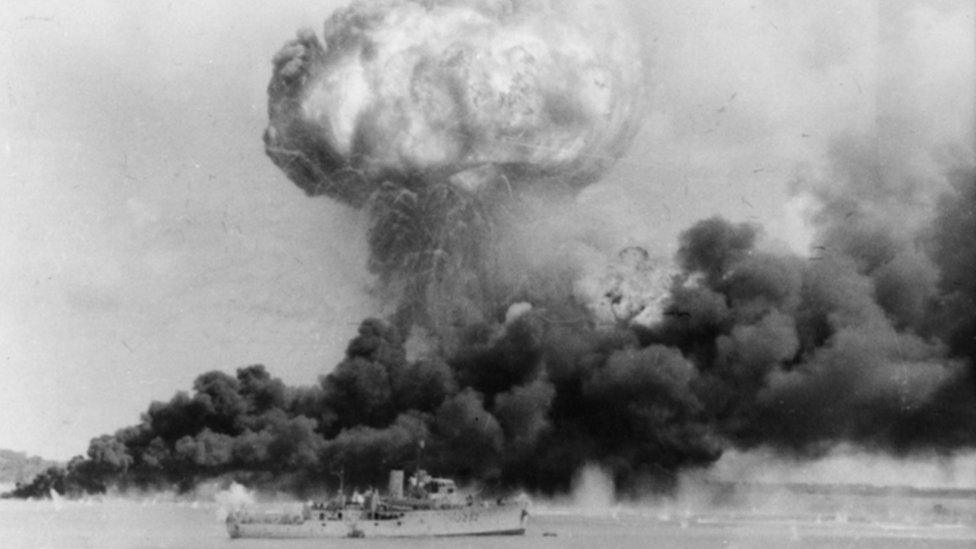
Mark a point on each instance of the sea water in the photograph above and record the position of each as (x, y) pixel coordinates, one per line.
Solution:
(149, 522)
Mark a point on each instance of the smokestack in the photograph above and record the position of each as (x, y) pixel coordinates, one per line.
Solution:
(395, 489)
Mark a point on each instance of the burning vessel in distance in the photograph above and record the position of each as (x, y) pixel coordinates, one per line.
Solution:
(431, 507)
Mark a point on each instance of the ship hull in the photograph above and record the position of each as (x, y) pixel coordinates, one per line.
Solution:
(463, 521)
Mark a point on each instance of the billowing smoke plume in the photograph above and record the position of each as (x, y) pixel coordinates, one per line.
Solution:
(803, 353)
(454, 90)
(437, 115)
(790, 354)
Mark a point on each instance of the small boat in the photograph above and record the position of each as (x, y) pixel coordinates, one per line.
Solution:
(430, 507)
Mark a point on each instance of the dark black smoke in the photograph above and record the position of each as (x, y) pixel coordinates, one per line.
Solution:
(870, 341)
(860, 344)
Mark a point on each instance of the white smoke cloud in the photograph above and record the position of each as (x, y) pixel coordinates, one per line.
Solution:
(442, 87)
(849, 465)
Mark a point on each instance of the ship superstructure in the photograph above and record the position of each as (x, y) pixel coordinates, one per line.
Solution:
(430, 506)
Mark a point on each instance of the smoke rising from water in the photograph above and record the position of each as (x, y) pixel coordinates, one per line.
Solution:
(643, 368)
(849, 465)
(593, 490)
(541, 363)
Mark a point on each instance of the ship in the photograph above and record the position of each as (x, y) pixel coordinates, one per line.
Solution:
(429, 507)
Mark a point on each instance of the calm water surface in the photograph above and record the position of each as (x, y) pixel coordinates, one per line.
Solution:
(150, 524)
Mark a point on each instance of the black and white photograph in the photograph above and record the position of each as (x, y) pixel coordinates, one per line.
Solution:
(488, 274)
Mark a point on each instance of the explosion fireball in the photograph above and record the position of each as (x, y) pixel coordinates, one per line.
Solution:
(440, 117)
(459, 91)
(443, 120)
(437, 115)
